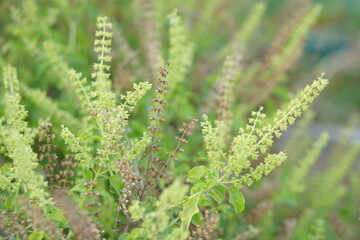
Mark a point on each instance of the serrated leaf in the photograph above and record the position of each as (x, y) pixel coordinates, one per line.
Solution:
(102, 192)
(210, 183)
(220, 190)
(116, 183)
(216, 197)
(236, 199)
(190, 208)
(196, 173)
(195, 189)
(201, 185)
(204, 202)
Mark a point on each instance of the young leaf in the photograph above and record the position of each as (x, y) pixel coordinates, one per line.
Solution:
(196, 173)
(216, 197)
(220, 190)
(204, 201)
(116, 183)
(196, 220)
(190, 209)
(88, 174)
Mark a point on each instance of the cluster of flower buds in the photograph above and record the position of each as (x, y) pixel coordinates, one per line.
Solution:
(207, 230)
(39, 220)
(92, 193)
(47, 158)
(185, 131)
(93, 205)
(58, 176)
(67, 172)
(14, 224)
(130, 181)
(89, 184)
(156, 118)
(158, 102)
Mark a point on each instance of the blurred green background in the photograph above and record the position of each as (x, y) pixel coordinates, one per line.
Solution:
(333, 46)
(43, 39)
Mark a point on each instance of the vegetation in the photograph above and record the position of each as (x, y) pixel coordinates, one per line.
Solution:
(157, 134)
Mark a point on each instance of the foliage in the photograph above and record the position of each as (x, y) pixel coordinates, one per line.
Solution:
(115, 156)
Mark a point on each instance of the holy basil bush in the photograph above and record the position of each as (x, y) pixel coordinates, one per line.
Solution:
(109, 162)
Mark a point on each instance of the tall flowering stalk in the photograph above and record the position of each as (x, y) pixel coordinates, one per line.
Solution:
(17, 138)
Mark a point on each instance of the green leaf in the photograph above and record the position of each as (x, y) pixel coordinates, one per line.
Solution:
(124, 236)
(195, 189)
(236, 199)
(216, 197)
(96, 138)
(36, 235)
(58, 216)
(78, 188)
(152, 199)
(196, 173)
(5, 167)
(210, 183)
(196, 220)
(148, 207)
(88, 174)
(102, 192)
(204, 201)
(83, 135)
(201, 185)
(220, 190)
(190, 208)
(10, 201)
(116, 183)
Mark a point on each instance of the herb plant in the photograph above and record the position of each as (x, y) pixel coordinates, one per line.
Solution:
(106, 150)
